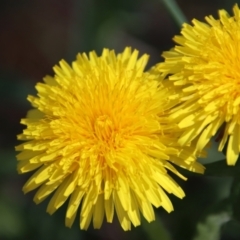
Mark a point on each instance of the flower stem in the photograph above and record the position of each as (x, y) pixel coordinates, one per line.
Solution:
(175, 11)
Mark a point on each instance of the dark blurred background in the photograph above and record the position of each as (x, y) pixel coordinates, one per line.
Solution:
(34, 36)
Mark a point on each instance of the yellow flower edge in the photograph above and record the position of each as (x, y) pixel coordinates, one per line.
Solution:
(99, 135)
(205, 69)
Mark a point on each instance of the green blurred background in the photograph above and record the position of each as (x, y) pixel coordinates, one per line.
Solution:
(34, 36)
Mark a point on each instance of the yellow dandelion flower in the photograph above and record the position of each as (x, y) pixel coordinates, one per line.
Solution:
(205, 69)
(99, 137)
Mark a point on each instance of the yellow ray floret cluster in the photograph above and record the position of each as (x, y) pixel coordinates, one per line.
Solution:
(205, 69)
(99, 137)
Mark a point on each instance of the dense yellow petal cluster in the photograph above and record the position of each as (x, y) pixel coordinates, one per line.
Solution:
(205, 69)
(100, 137)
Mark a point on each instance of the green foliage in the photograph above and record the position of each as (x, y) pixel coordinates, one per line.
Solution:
(221, 169)
(235, 198)
(11, 226)
(231, 230)
(155, 230)
(210, 228)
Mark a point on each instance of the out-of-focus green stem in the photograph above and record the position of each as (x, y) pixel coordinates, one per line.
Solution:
(175, 11)
(155, 230)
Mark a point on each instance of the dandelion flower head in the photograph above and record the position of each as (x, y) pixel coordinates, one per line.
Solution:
(205, 69)
(99, 138)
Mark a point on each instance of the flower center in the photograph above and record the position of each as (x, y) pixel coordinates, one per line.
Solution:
(103, 127)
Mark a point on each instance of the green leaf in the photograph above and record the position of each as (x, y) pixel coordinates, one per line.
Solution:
(230, 230)
(210, 228)
(221, 169)
(235, 198)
